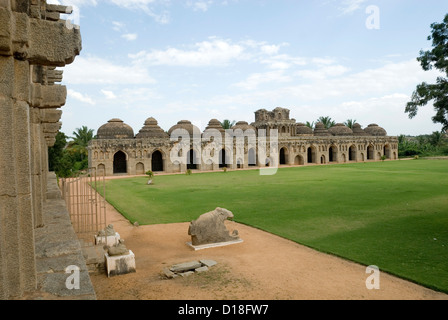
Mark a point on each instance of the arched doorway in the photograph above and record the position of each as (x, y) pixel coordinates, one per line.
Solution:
(120, 162)
(311, 155)
(387, 152)
(191, 160)
(139, 168)
(101, 169)
(332, 155)
(370, 153)
(222, 159)
(322, 159)
(298, 160)
(157, 161)
(282, 156)
(252, 158)
(352, 153)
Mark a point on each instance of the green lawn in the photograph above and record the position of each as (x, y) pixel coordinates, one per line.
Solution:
(392, 214)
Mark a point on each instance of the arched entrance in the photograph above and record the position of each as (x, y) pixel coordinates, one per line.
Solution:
(311, 155)
(157, 161)
(370, 153)
(332, 154)
(282, 156)
(252, 158)
(120, 162)
(352, 153)
(298, 160)
(139, 168)
(387, 152)
(222, 159)
(191, 160)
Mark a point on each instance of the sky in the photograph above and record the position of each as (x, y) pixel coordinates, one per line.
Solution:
(199, 60)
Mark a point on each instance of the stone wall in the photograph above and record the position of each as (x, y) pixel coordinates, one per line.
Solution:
(33, 41)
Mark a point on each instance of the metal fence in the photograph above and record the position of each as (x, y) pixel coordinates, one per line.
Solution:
(85, 199)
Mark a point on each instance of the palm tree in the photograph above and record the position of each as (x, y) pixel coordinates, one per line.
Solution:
(350, 122)
(435, 139)
(80, 142)
(227, 124)
(328, 123)
(310, 124)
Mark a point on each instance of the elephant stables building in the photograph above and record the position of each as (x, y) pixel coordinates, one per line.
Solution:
(116, 150)
(37, 240)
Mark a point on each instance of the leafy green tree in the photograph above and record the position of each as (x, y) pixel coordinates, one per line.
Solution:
(328, 123)
(438, 92)
(436, 139)
(56, 152)
(227, 124)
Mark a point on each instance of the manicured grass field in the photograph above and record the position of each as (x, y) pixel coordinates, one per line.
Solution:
(392, 214)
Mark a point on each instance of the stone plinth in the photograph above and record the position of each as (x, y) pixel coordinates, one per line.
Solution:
(118, 265)
(107, 240)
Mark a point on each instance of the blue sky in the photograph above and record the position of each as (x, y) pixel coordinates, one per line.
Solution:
(202, 59)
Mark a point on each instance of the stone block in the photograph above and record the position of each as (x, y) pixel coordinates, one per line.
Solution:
(187, 266)
(119, 265)
(107, 240)
(50, 115)
(208, 263)
(5, 31)
(52, 43)
(201, 269)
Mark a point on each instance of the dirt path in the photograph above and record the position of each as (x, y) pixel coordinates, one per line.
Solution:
(263, 267)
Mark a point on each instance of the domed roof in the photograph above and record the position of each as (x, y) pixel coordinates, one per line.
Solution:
(151, 129)
(339, 129)
(320, 130)
(215, 124)
(302, 129)
(358, 131)
(186, 125)
(115, 129)
(375, 130)
(243, 125)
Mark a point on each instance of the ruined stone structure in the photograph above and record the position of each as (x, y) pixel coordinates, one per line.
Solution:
(33, 42)
(117, 150)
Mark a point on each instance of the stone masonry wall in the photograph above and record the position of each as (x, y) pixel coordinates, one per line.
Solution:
(33, 41)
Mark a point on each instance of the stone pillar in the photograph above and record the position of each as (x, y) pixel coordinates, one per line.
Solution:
(26, 39)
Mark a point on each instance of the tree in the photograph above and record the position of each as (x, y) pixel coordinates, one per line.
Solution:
(56, 152)
(350, 122)
(438, 92)
(80, 142)
(328, 123)
(227, 124)
(310, 124)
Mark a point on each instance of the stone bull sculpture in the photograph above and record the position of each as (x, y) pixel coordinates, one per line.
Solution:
(209, 228)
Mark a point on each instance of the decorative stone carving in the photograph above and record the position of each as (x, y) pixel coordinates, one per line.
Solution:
(210, 228)
(118, 250)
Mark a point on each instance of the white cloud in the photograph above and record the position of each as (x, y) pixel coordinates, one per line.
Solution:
(206, 53)
(350, 6)
(109, 94)
(93, 70)
(200, 5)
(130, 36)
(323, 72)
(80, 97)
(254, 80)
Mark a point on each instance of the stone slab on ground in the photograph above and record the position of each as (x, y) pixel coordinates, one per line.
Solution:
(186, 266)
(213, 245)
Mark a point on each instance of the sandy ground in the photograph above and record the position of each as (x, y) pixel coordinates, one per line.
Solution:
(262, 267)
